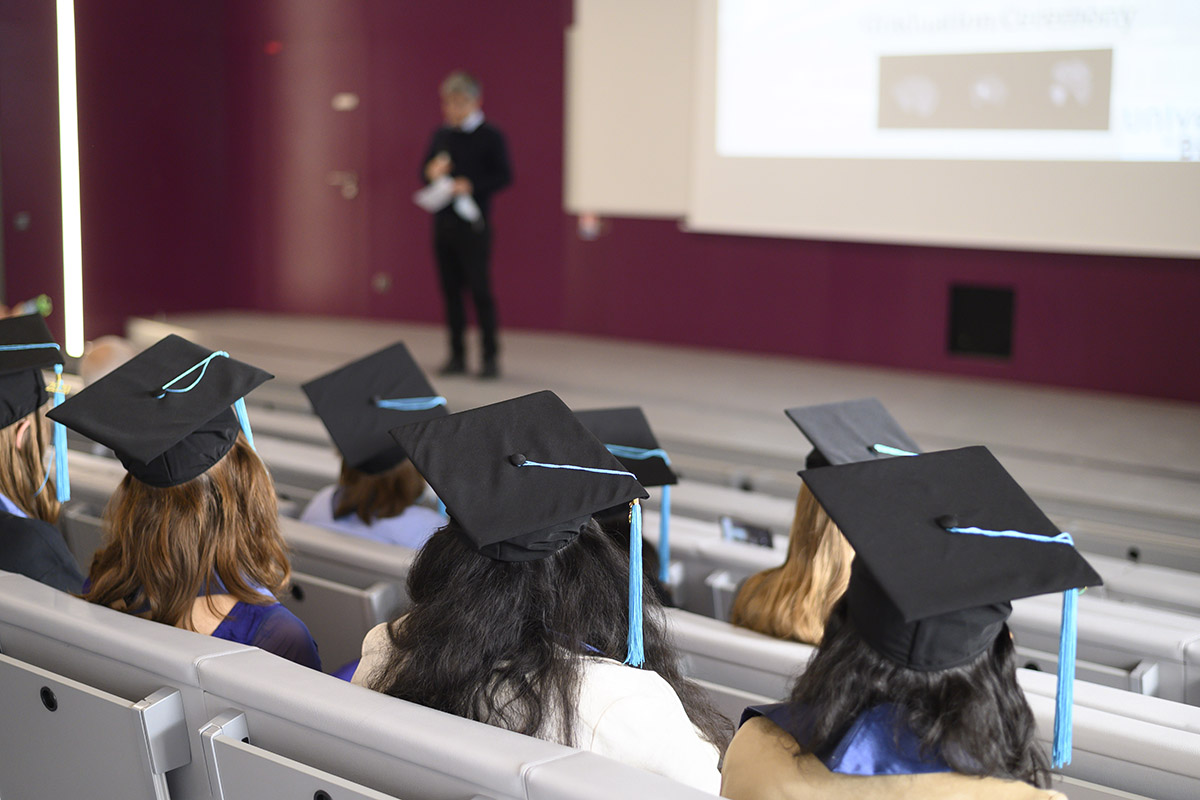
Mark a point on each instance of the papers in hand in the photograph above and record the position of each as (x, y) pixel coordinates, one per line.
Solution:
(439, 194)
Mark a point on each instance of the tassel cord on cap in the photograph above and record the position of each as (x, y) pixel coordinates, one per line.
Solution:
(239, 405)
(887, 450)
(1064, 695)
(410, 403)
(635, 655)
(664, 519)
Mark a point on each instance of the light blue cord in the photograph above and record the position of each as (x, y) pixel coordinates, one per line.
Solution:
(410, 403)
(886, 450)
(201, 365)
(239, 405)
(62, 472)
(239, 408)
(38, 346)
(581, 469)
(1064, 696)
(635, 655)
(664, 517)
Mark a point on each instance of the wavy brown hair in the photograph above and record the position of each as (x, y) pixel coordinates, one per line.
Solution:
(371, 497)
(163, 547)
(793, 600)
(24, 467)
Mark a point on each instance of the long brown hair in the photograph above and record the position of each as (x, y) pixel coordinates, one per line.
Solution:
(792, 601)
(24, 466)
(163, 547)
(373, 497)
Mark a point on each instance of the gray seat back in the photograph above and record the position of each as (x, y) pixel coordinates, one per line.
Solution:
(113, 653)
(338, 616)
(63, 738)
(404, 749)
(239, 770)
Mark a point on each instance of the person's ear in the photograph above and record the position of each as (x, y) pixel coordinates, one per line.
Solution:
(23, 430)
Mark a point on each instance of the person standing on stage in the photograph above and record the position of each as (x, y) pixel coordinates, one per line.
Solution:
(472, 152)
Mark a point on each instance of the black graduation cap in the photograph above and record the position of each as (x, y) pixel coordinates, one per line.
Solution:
(363, 400)
(943, 543)
(522, 477)
(166, 412)
(26, 348)
(921, 593)
(627, 435)
(850, 431)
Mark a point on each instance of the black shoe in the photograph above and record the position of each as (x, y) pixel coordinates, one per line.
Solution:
(490, 370)
(455, 366)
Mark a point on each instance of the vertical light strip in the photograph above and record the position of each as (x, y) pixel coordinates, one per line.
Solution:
(68, 137)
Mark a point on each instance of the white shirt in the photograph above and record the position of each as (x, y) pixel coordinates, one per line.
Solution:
(410, 529)
(627, 714)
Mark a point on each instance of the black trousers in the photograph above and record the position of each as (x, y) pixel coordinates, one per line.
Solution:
(463, 252)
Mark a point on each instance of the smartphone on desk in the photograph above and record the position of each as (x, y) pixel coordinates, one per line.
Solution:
(736, 530)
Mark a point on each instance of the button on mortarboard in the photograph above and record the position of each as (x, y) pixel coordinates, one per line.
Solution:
(166, 413)
(521, 477)
(846, 432)
(363, 400)
(626, 433)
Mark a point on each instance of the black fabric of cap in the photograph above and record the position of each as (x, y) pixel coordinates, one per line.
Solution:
(473, 459)
(22, 387)
(168, 440)
(345, 401)
(921, 595)
(628, 427)
(843, 433)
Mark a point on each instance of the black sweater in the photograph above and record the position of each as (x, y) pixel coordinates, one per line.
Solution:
(479, 156)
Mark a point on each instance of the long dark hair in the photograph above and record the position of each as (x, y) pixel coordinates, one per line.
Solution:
(974, 716)
(503, 642)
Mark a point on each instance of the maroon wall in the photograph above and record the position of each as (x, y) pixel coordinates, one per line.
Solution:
(29, 176)
(204, 164)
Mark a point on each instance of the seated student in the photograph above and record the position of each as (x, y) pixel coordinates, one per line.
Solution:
(792, 601)
(912, 693)
(29, 542)
(523, 610)
(192, 533)
(625, 432)
(376, 493)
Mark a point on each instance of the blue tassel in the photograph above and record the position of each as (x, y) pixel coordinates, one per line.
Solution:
(635, 655)
(1065, 696)
(664, 537)
(62, 473)
(239, 408)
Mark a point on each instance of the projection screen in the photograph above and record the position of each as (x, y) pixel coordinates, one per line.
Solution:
(1035, 125)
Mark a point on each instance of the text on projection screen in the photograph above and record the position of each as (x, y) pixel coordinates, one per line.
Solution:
(959, 79)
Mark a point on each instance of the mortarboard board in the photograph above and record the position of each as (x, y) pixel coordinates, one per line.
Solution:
(26, 348)
(522, 477)
(850, 431)
(627, 435)
(943, 543)
(361, 401)
(167, 412)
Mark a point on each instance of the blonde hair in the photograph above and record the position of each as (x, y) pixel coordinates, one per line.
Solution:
(24, 467)
(162, 548)
(371, 497)
(792, 601)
